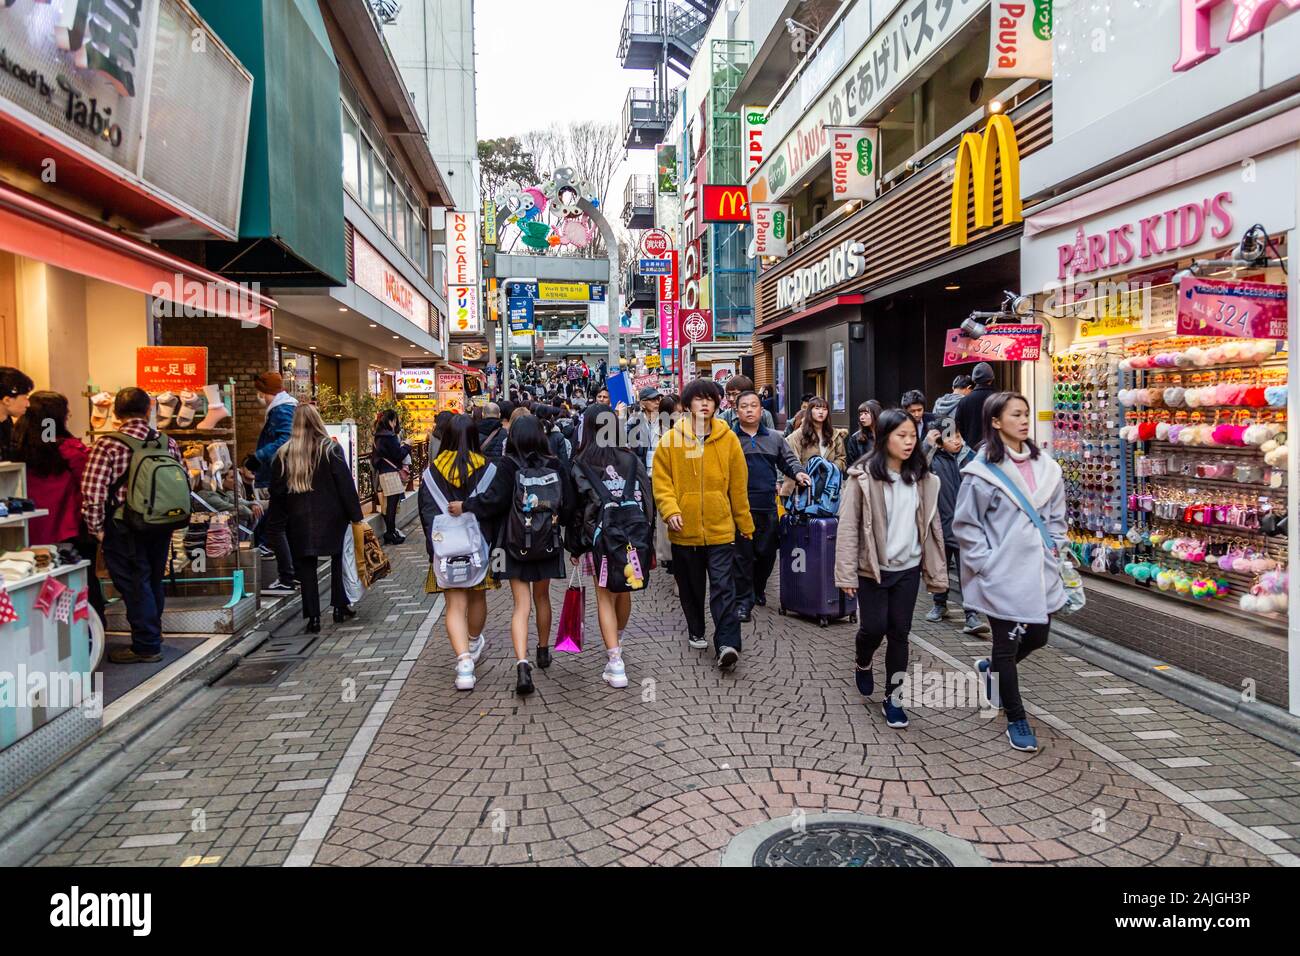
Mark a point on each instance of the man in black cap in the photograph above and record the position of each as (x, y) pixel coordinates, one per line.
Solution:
(970, 410)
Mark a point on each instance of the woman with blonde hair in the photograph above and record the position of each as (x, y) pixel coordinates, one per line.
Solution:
(312, 482)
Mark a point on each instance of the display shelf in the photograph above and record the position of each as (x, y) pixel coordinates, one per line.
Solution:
(210, 433)
(52, 573)
(23, 517)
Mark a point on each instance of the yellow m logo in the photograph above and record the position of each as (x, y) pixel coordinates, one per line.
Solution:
(975, 163)
(732, 203)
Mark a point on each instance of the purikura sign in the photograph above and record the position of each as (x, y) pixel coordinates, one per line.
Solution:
(1001, 343)
(1242, 309)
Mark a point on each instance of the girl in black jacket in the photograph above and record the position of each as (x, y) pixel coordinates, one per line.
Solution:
(387, 457)
(864, 439)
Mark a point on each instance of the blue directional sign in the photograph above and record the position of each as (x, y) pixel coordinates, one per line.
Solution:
(656, 267)
(521, 314)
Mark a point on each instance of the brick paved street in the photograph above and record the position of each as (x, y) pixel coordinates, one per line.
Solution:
(668, 770)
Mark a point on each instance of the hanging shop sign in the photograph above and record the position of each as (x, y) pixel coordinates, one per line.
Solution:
(171, 368)
(1248, 18)
(415, 381)
(655, 267)
(755, 121)
(1001, 343)
(1020, 40)
(489, 222)
(82, 74)
(471, 352)
(521, 315)
(697, 326)
(842, 263)
(771, 229)
(462, 249)
(463, 302)
(1254, 310)
(376, 275)
(725, 203)
(973, 173)
(668, 283)
(901, 46)
(494, 315)
(656, 244)
(666, 159)
(691, 275)
(855, 154)
(571, 291)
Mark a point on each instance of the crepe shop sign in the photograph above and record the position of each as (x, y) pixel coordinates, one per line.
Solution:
(1152, 236)
(1001, 343)
(1253, 310)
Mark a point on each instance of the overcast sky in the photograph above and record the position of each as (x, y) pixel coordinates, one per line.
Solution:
(547, 62)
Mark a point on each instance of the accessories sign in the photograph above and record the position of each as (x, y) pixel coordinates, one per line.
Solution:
(1241, 309)
(1001, 343)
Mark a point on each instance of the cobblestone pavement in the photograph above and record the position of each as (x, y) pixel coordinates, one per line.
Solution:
(668, 770)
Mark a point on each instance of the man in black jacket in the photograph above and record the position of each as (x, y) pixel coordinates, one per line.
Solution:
(766, 452)
(970, 411)
(950, 458)
(492, 432)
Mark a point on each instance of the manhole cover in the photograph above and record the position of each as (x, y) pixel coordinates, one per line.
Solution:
(846, 839)
(256, 673)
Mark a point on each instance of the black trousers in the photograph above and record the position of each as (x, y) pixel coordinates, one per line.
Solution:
(716, 564)
(275, 525)
(390, 513)
(306, 564)
(755, 557)
(136, 562)
(1012, 643)
(953, 556)
(885, 611)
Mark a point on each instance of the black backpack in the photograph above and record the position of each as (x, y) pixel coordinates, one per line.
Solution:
(622, 529)
(533, 526)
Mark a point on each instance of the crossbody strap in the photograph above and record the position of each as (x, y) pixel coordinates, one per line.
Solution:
(1029, 509)
(440, 499)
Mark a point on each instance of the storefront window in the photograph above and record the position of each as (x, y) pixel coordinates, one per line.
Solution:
(296, 370)
(351, 153)
(364, 194)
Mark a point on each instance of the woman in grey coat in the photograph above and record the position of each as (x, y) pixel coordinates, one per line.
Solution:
(1007, 572)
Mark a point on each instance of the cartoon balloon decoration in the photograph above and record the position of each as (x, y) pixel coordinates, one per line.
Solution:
(535, 234)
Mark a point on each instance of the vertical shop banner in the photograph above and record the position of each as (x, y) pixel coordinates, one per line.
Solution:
(666, 159)
(855, 162)
(489, 222)
(1239, 309)
(771, 229)
(1001, 343)
(755, 120)
(171, 368)
(838, 396)
(668, 343)
(1020, 41)
(521, 316)
(462, 300)
(696, 326)
(463, 271)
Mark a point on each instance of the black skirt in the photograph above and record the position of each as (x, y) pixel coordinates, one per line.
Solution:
(548, 570)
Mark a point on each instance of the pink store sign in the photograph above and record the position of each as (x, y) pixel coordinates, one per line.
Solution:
(1002, 343)
(1150, 238)
(1242, 309)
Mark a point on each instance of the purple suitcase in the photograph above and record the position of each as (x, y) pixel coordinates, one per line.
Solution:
(811, 591)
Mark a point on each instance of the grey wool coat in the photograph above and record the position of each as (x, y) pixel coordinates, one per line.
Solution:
(1006, 570)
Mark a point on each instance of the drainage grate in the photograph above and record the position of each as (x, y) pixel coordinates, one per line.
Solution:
(252, 673)
(290, 645)
(846, 840)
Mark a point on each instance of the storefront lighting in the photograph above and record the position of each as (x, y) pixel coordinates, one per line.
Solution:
(373, 326)
(995, 107)
(1250, 253)
(343, 308)
(311, 348)
(952, 287)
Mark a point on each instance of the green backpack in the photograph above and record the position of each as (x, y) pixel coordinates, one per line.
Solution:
(157, 486)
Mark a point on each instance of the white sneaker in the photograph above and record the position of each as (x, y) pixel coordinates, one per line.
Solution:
(465, 673)
(615, 673)
(477, 647)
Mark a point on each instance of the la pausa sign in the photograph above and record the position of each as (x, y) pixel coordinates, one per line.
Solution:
(844, 262)
(1156, 235)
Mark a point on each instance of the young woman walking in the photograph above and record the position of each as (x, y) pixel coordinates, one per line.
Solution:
(388, 456)
(531, 500)
(602, 457)
(816, 436)
(460, 471)
(1011, 488)
(889, 539)
(864, 439)
(312, 484)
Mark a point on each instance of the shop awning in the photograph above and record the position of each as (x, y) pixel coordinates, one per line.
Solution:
(832, 303)
(39, 230)
(467, 369)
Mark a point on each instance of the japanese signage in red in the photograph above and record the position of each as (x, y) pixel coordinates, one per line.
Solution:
(1001, 343)
(171, 368)
(697, 326)
(725, 204)
(1242, 309)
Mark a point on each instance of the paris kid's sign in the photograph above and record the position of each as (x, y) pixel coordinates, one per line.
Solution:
(1002, 343)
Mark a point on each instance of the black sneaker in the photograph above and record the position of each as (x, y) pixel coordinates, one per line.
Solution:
(279, 588)
(265, 552)
(698, 643)
(866, 680)
(745, 614)
(127, 655)
(543, 657)
(524, 683)
(728, 658)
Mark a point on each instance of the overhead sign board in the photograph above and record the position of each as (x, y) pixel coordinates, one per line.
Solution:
(725, 203)
(655, 267)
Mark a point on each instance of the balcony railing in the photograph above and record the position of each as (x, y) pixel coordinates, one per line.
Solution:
(639, 200)
(646, 117)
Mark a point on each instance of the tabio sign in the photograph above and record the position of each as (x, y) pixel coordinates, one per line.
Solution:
(697, 325)
(1241, 309)
(1002, 343)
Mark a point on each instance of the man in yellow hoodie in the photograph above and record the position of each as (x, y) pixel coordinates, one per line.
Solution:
(700, 486)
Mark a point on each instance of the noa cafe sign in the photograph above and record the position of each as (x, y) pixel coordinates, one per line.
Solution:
(844, 262)
(1248, 18)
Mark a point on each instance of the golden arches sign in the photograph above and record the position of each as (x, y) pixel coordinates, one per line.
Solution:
(975, 157)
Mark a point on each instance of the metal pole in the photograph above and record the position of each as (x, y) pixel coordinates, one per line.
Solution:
(505, 336)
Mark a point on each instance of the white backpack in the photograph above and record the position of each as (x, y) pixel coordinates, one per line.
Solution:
(460, 552)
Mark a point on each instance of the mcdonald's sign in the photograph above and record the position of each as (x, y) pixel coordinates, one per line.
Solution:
(725, 204)
(975, 157)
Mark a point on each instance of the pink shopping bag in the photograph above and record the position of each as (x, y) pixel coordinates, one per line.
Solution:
(568, 635)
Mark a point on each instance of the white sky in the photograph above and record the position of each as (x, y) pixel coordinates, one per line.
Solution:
(547, 62)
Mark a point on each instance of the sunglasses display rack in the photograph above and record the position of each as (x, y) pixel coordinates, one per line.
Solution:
(1205, 500)
(1095, 463)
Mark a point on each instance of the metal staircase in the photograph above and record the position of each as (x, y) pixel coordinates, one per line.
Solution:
(660, 33)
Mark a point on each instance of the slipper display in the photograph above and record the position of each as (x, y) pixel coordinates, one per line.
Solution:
(102, 411)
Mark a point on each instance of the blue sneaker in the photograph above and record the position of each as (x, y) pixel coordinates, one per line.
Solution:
(894, 715)
(985, 669)
(1021, 737)
(866, 681)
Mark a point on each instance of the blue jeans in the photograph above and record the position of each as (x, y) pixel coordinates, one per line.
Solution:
(136, 562)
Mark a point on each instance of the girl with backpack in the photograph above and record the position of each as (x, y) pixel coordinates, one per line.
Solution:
(532, 499)
(458, 472)
(890, 537)
(611, 533)
(816, 437)
(1012, 501)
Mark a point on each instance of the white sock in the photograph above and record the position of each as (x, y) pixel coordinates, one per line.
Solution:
(523, 660)
(475, 638)
(615, 653)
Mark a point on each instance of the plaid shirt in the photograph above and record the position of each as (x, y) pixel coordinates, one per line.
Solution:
(109, 460)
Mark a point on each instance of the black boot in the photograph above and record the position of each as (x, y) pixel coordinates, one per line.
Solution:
(313, 625)
(543, 657)
(342, 614)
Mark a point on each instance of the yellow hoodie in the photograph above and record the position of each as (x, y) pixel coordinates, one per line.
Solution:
(706, 482)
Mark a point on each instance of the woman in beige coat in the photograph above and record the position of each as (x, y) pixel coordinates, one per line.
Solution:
(816, 436)
(889, 538)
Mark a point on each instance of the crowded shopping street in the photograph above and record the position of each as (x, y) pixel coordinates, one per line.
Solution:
(816, 434)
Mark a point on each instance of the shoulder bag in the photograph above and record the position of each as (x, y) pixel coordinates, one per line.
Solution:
(1071, 580)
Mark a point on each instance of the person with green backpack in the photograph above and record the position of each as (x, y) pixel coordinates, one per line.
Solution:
(135, 492)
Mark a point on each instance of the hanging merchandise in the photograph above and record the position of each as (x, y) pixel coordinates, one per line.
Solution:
(7, 613)
(51, 590)
(63, 606)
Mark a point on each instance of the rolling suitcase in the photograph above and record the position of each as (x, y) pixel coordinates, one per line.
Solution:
(807, 559)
